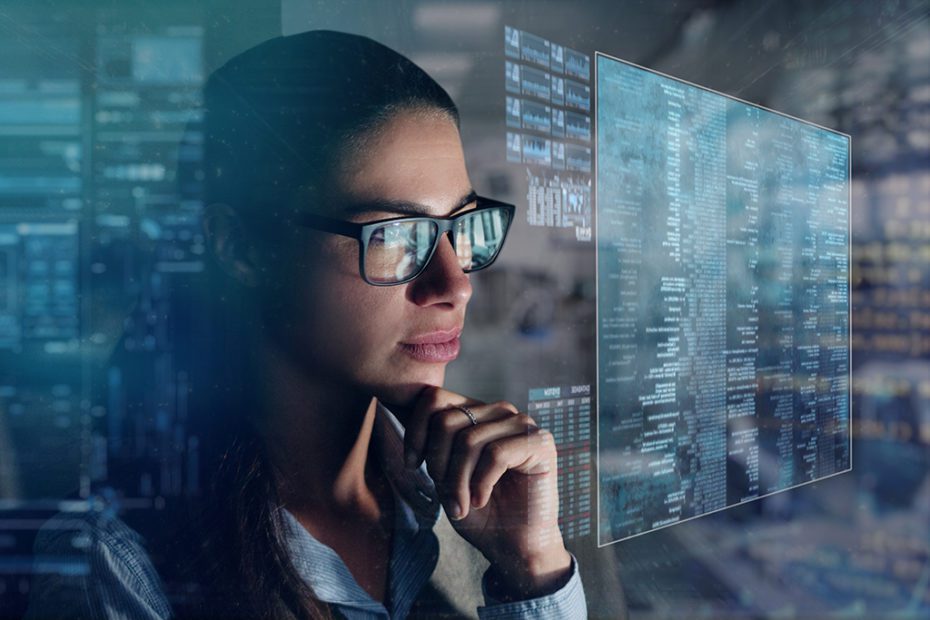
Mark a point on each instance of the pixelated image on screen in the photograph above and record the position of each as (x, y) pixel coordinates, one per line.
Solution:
(722, 233)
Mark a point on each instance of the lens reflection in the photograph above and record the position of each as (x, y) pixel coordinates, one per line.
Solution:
(398, 250)
(479, 237)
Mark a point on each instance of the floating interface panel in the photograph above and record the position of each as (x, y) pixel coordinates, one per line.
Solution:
(722, 233)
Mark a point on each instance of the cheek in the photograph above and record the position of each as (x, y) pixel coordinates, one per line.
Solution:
(348, 323)
(331, 319)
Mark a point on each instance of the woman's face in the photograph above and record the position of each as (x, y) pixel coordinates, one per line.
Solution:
(344, 330)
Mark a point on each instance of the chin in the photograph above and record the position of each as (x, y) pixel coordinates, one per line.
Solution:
(405, 391)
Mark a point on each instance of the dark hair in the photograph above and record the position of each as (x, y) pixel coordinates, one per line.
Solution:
(283, 115)
(280, 119)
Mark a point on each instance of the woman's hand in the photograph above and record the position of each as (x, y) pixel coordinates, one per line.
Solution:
(498, 482)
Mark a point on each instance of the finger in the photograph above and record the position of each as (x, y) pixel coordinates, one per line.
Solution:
(467, 449)
(432, 400)
(532, 453)
(447, 425)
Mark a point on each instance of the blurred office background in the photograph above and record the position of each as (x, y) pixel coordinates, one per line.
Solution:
(97, 229)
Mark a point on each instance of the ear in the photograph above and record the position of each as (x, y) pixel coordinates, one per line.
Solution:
(226, 237)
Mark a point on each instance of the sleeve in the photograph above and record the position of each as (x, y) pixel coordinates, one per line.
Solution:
(566, 602)
(109, 575)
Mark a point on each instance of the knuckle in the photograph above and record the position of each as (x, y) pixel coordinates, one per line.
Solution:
(506, 405)
(447, 421)
(441, 422)
(546, 438)
(431, 396)
(471, 438)
(497, 452)
(547, 442)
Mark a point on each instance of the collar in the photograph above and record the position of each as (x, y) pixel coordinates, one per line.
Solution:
(415, 487)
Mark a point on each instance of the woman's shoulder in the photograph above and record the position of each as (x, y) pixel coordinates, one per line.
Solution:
(92, 564)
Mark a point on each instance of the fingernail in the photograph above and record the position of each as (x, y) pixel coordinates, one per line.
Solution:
(455, 511)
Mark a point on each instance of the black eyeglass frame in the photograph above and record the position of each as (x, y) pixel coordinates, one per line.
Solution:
(362, 232)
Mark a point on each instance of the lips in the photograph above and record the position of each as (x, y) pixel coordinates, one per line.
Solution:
(434, 347)
(435, 337)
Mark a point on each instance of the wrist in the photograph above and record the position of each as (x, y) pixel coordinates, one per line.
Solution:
(529, 577)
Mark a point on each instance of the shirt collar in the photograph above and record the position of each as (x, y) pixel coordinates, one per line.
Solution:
(415, 487)
(321, 567)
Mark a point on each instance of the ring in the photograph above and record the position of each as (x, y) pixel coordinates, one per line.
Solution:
(467, 411)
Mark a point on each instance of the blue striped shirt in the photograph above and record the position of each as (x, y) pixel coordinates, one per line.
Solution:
(122, 583)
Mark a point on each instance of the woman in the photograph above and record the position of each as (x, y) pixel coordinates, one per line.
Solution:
(337, 443)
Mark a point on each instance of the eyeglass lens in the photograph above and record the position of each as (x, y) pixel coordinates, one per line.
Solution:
(398, 250)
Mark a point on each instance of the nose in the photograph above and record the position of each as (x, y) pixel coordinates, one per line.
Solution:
(442, 280)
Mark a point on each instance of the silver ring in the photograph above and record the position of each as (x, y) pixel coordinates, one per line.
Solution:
(467, 411)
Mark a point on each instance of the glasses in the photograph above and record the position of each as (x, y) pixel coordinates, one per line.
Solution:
(397, 250)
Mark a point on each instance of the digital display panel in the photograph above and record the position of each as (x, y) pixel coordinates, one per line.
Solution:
(722, 232)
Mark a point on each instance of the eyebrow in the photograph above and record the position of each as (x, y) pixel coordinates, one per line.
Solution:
(402, 206)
